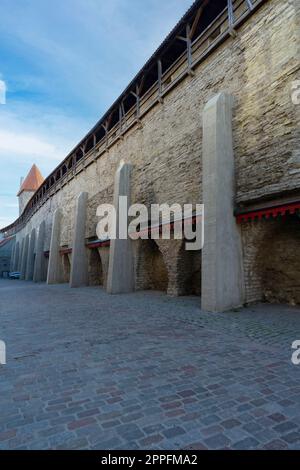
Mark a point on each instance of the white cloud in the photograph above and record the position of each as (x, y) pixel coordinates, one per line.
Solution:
(2, 92)
(24, 144)
(5, 221)
(9, 209)
(31, 133)
(8, 202)
(36, 133)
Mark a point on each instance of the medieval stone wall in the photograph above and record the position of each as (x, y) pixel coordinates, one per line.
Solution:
(271, 263)
(257, 67)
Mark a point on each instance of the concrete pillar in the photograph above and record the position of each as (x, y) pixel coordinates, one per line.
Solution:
(54, 275)
(16, 257)
(40, 274)
(20, 255)
(79, 263)
(30, 257)
(12, 257)
(24, 257)
(120, 270)
(222, 269)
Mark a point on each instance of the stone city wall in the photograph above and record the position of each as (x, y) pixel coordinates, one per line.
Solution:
(257, 68)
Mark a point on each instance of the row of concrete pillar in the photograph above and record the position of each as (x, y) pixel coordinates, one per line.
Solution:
(120, 269)
(222, 273)
(28, 256)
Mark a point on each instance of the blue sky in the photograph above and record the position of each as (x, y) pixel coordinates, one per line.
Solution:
(63, 63)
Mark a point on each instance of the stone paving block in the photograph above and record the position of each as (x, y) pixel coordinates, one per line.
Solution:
(73, 444)
(5, 435)
(52, 430)
(217, 441)
(111, 424)
(284, 427)
(264, 436)
(196, 446)
(277, 417)
(109, 444)
(230, 423)
(153, 429)
(129, 431)
(81, 423)
(276, 444)
(151, 440)
(174, 431)
(292, 437)
(90, 412)
(247, 443)
(252, 427)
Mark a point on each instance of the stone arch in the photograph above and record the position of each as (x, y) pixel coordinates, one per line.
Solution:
(188, 272)
(95, 267)
(66, 265)
(278, 261)
(151, 269)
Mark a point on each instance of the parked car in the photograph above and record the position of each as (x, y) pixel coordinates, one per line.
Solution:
(15, 275)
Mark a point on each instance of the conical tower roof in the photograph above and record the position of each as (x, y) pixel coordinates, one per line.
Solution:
(33, 180)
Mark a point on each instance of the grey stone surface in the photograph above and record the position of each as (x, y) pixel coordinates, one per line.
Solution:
(24, 257)
(12, 258)
(16, 257)
(79, 264)
(40, 274)
(120, 271)
(20, 254)
(55, 275)
(222, 272)
(86, 370)
(30, 257)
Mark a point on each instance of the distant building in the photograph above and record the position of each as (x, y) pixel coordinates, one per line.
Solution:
(28, 187)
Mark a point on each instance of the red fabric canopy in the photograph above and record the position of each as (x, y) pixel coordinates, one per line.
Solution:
(270, 212)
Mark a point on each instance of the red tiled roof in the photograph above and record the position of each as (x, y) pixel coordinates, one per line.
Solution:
(33, 180)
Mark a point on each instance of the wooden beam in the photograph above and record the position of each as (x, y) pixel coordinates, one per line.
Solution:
(139, 88)
(197, 18)
(230, 14)
(159, 74)
(250, 4)
(188, 42)
(189, 46)
(136, 94)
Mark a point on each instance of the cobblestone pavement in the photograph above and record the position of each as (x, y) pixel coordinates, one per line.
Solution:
(86, 370)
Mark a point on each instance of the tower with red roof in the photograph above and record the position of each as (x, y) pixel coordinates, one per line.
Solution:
(28, 187)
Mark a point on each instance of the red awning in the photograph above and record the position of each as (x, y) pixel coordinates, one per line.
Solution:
(268, 213)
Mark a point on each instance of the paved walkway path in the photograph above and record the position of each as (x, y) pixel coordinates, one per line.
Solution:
(86, 370)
